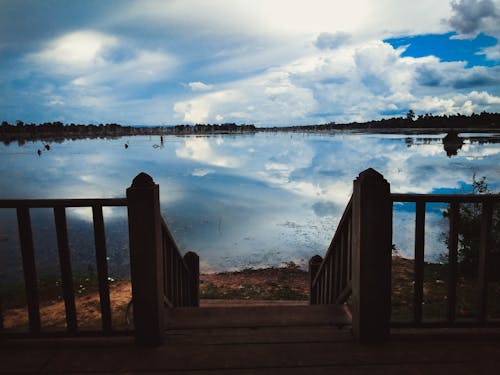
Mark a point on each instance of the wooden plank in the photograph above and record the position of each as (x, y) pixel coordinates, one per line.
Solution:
(331, 279)
(1, 314)
(29, 268)
(418, 292)
(452, 261)
(314, 264)
(349, 249)
(193, 262)
(372, 240)
(336, 257)
(445, 198)
(146, 239)
(102, 268)
(51, 203)
(484, 249)
(256, 316)
(65, 265)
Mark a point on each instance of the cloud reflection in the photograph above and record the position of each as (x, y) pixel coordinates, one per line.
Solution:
(252, 200)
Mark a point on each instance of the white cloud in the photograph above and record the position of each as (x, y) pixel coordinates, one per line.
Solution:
(202, 150)
(90, 58)
(199, 86)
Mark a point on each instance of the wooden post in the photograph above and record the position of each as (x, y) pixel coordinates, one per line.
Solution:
(371, 257)
(145, 237)
(192, 261)
(314, 264)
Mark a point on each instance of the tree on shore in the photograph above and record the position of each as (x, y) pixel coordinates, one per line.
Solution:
(469, 230)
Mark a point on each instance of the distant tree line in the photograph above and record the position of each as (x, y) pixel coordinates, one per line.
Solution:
(53, 131)
(483, 120)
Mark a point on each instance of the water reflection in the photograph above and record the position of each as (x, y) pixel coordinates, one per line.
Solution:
(238, 200)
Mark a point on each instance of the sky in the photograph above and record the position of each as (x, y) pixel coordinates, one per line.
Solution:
(262, 62)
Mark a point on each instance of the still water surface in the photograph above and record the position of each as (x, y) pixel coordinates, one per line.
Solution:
(237, 200)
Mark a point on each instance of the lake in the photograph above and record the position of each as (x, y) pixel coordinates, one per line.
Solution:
(251, 200)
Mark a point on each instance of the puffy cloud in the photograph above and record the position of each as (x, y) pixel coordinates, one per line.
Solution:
(203, 150)
(469, 15)
(332, 40)
(458, 103)
(75, 52)
(455, 75)
(199, 86)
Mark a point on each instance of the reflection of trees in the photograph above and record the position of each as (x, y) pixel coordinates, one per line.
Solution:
(469, 231)
(452, 143)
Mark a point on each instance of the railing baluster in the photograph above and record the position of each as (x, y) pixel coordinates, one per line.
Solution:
(1, 314)
(65, 265)
(331, 279)
(340, 250)
(419, 261)
(102, 268)
(349, 249)
(326, 282)
(172, 272)
(482, 292)
(314, 264)
(29, 268)
(452, 262)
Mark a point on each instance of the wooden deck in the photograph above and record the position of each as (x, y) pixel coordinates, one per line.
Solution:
(257, 340)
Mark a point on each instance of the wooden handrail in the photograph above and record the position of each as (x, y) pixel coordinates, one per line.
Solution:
(345, 216)
(52, 203)
(454, 201)
(59, 206)
(444, 198)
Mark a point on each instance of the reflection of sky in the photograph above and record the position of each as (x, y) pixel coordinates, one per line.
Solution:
(245, 200)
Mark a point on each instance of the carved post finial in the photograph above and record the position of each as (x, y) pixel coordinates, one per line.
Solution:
(142, 180)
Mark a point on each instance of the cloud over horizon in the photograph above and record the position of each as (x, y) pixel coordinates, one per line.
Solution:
(271, 63)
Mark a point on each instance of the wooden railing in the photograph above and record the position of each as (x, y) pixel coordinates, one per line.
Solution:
(357, 265)
(161, 278)
(358, 262)
(486, 201)
(331, 276)
(28, 259)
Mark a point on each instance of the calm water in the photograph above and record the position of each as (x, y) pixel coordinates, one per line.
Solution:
(238, 201)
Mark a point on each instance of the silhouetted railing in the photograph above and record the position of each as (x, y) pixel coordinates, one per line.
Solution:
(161, 278)
(180, 274)
(28, 258)
(484, 272)
(358, 261)
(331, 276)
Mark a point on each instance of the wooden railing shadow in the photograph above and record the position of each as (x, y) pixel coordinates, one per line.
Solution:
(161, 277)
(356, 269)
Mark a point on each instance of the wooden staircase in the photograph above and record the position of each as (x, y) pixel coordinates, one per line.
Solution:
(256, 316)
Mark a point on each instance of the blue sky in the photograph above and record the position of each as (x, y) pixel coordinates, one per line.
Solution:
(272, 62)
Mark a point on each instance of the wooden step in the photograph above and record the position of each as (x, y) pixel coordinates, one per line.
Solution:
(256, 316)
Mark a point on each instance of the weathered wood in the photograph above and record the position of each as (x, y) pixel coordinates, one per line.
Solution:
(371, 268)
(484, 249)
(145, 236)
(29, 268)
(192, 261)
(452, 262)
(418, 290)
(51, 203)
(256, 316)
(314, 264)
(102, 268)
(65, 266)
(444, 198)
(1, 314)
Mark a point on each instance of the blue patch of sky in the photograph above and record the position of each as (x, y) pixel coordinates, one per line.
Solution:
(446, 48)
